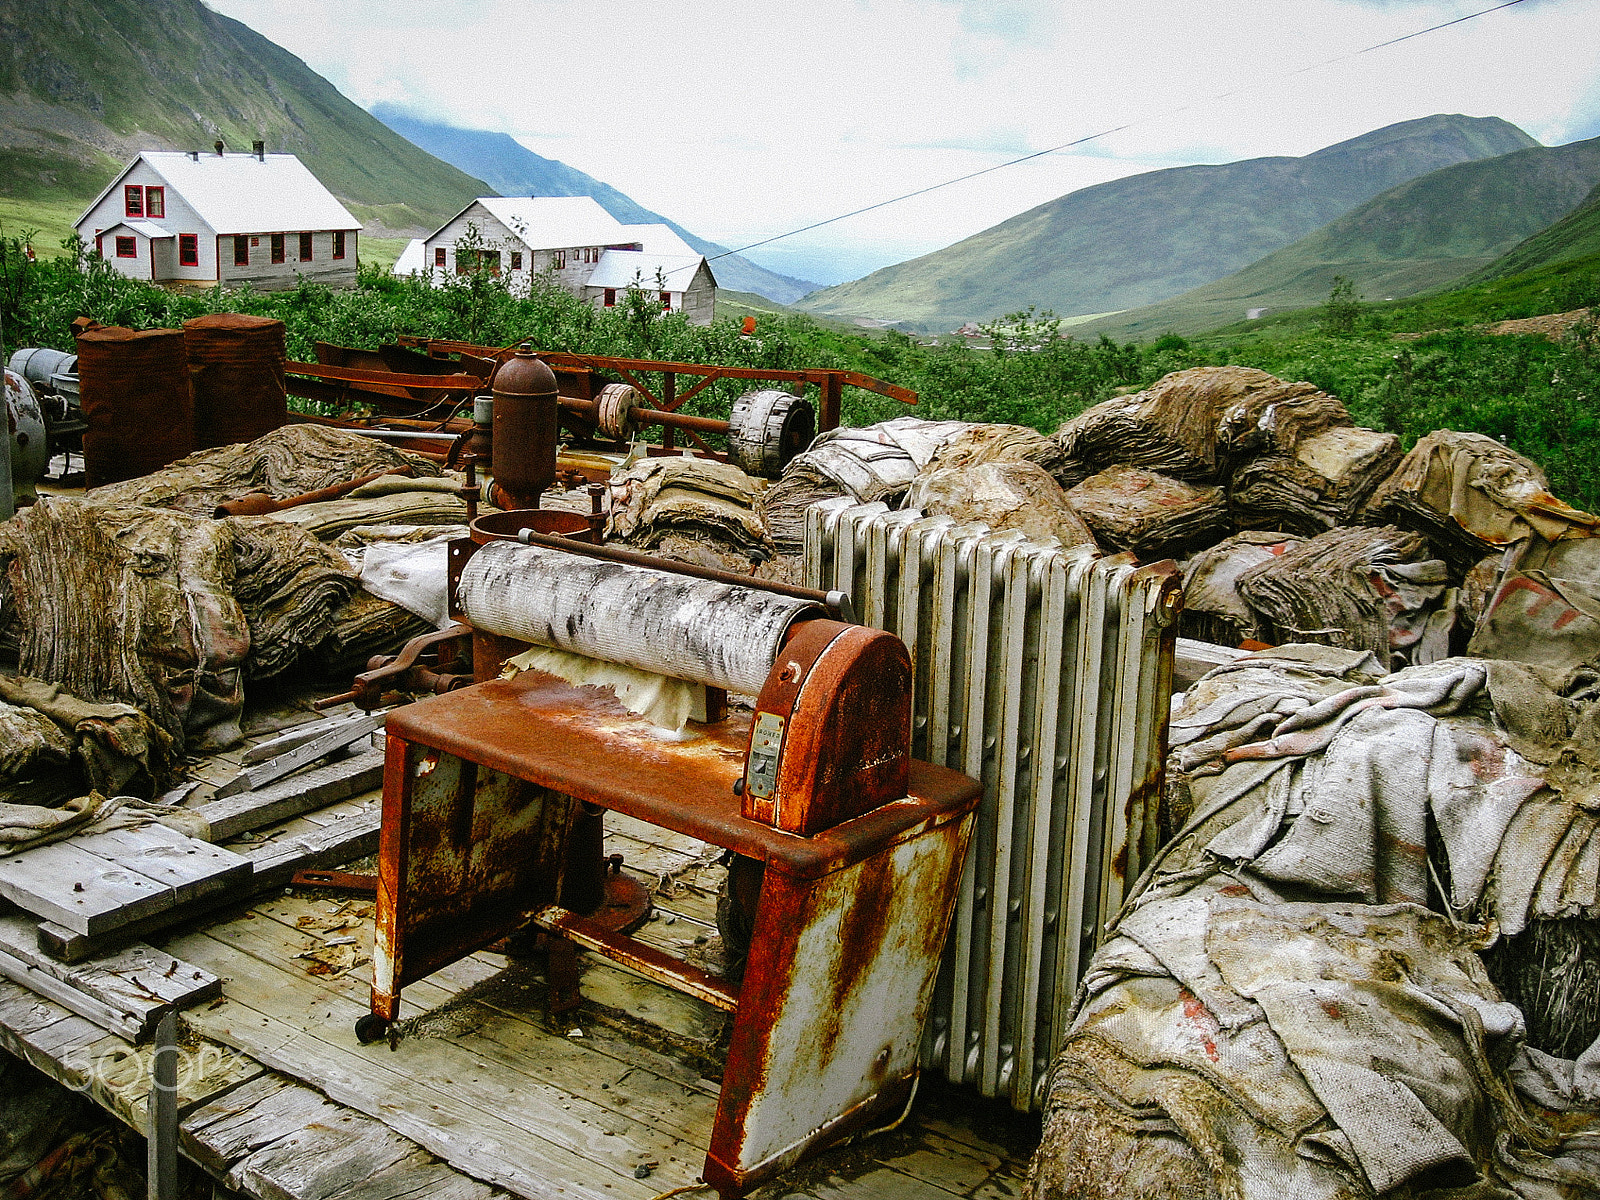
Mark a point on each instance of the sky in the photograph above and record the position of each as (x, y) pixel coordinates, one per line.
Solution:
(746, 119)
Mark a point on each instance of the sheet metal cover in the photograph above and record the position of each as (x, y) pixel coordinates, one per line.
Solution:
(713, 633)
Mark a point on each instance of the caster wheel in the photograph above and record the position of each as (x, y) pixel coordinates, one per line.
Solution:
(371, 1028)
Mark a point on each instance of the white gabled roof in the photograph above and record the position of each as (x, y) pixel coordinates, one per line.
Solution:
(658, 239)
(551, 222)
(148, 228)
(413, 259)
(240, 193)
(619, 268)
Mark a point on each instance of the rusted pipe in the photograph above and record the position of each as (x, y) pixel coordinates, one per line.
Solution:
(650, 416)
(258, 504)
(524, 427)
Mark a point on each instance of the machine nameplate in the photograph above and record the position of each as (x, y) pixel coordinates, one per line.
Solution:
(761, 776)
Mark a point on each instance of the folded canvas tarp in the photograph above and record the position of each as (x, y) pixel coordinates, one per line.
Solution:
(1471, 496)
(704, 508)
(1213, 610)
(1321, 484)
(1153, 515)
(1017, 495)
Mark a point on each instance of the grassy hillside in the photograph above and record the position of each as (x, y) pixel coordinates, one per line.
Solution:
(86, 83)
(1137, 240)
(1576, 235)
(513, 170)
(1415, 238)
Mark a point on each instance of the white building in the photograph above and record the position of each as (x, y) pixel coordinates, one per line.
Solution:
(582, 246)
(231, 218)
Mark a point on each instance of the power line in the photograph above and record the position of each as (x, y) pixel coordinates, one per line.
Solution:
(1255, 87)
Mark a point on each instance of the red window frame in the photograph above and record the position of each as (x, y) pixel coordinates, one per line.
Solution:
(188, 249)
(338, 243)
(666, 301)
(127, 247)
(561, 260)
(241, 251)
(277, 248)
(155, 202)
(438, 256)
(305, 247)
(611, 297)
(133, 200)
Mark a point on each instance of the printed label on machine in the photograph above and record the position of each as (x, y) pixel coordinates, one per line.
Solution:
(761, 777)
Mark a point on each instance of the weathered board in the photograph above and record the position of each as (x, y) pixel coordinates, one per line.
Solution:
(304, 792)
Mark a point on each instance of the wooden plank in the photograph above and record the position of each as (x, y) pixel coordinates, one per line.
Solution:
(946, 1163)
(219, 1133)
(329, 1155)
(102, 1014)
(421, 1178)
(431, 1084)
(291, 797)
(275, 863)
(1193, 659)
(307, 731)
(79, 890)
(187, 865)
(348, 731)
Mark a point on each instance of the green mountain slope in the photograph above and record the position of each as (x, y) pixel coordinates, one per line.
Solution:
(84, 84)
(1137, 240)
(1414, 238)
(1576, 235)
(511, 169)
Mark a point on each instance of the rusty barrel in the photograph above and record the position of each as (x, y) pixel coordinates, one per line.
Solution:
(236, 369)
(524, 424)
(137, 403)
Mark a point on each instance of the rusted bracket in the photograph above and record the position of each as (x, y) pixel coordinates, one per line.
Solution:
(412, 670)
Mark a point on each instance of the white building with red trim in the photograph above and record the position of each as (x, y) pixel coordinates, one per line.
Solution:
(574, 241)
(231, 218)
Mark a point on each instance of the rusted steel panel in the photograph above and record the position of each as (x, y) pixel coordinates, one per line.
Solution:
(835, 994)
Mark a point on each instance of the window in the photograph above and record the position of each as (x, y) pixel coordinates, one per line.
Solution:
(277, 247)
(438, 256)
(155, 202)
(241, 251)
(666, 301)
(561, 260)
(338, 243)
(516, 260)
(127, 247)
(133, 200)
(611, 297)
(305, 247)
(188, 250)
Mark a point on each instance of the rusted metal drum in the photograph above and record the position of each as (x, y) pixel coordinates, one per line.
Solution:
(136, 400)
(526, 415)
(236, 369)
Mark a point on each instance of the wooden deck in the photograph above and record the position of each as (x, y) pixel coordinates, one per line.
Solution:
(482, 1095)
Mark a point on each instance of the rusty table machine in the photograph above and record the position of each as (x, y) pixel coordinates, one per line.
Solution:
(857, 849)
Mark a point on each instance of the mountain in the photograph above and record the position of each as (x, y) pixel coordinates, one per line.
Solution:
(1576, 235)
(511, 169)
(84, 84)
(1414, 238)
(1140, 239)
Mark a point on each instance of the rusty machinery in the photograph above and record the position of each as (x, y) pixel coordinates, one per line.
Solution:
(859, 848)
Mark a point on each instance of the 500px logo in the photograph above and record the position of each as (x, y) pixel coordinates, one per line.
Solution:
(120, 1070)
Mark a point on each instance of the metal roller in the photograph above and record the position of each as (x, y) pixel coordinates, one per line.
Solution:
(718, 634)
(613, 410)
(768, 428)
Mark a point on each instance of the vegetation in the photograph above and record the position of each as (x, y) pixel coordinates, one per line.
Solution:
(1540, 396)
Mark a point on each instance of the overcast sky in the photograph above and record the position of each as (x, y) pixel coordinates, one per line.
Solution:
(742, 119)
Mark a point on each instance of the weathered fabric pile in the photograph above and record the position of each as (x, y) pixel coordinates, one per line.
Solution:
(1320, 484)
(290, 461)
(1213, 610)
(689, 509)
(1362, 588)
(1292, 1003)
(132, 605)
(1153, 515)
(875, 463)
(291, 588)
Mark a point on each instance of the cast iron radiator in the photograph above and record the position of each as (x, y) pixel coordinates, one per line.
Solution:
(1047, 674)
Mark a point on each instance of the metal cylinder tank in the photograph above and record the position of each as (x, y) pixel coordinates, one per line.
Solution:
(236, 370)
(526, 416)
(136, 402)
